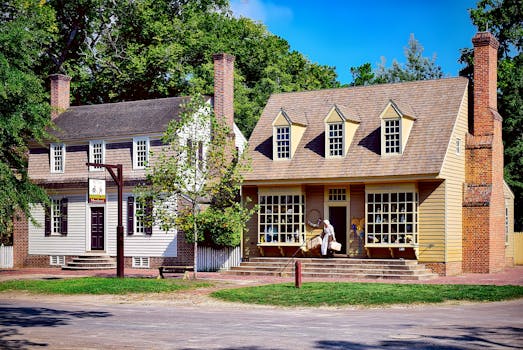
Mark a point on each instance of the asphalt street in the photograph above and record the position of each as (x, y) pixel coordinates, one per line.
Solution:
(52, 323)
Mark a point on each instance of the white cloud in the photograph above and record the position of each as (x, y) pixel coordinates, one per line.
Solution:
(260, 10)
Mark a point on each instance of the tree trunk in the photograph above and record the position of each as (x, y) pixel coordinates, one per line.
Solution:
(195, 233)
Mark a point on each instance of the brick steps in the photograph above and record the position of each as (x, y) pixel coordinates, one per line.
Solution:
(335, 268)
(91, 262)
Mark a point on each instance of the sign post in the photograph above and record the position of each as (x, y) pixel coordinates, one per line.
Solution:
(118, 179)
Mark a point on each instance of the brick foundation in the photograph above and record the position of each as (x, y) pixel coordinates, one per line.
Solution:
(445, 269)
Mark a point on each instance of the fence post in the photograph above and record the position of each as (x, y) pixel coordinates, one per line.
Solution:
(297, 274)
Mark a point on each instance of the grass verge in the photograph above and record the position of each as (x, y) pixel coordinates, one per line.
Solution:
(101, 285)
(338, 294)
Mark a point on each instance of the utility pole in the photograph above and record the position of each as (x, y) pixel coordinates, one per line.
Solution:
(118, 179)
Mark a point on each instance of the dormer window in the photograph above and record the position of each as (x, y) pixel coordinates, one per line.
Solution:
(283, 142)
(341, 124)
(287, 129)
(397, 120)
(336, 139)
(392, 136)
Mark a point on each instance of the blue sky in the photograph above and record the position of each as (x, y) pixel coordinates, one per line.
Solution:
(348, 33)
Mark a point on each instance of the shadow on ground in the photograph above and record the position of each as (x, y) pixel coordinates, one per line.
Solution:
(26, 317)
(469, 338)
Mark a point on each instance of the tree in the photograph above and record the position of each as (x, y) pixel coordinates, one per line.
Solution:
(128, 50)
(362, 75)
(504, 19)
(198, 166)
(417, 67)
(26, 28)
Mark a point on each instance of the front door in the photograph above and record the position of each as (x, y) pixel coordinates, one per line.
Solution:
(338, 219)
(97, 228)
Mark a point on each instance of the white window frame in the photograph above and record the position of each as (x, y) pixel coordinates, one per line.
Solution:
(138, 163)
(282, 146)
(336, 142)
(92, 159)
(139, 217)
(281, 219)
(394, 136)
(387, 218)
(56, 217)
(143, 262)
(55, 147)
(458, 146)
(56, 260)
(337, 194)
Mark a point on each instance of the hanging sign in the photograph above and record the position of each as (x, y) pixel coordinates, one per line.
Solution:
(96, 191)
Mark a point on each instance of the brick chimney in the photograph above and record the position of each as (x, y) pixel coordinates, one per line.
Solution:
(224, 88)
(60, 94)
(483, 199)
(485, 82)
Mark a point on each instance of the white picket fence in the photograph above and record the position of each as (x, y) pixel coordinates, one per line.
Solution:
(6, 256)
(210, 259)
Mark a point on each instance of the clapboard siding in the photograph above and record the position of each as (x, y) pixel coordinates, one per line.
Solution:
(431, 222)
(71, 244)
(453, 171)
(159, 244)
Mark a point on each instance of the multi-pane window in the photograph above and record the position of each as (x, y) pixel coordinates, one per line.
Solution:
(56, 216)
(392, 136)
(507, 226)
(337, 194)
(336, 139)
(57, 157)
(392, 218)
(281, 219)
(195, 152)
(139, 217)
(140, 152)
(283, 142)
(96, 154)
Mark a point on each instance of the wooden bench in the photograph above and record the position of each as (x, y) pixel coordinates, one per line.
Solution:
(174, 269)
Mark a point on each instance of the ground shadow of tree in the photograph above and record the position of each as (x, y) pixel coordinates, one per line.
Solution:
(25, 317)
(470, 338)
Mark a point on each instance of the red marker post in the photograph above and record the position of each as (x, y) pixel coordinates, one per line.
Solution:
(297, 274)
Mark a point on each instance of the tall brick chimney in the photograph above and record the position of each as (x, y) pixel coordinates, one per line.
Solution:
(485, 82)
(224, 88)
(483, 200)
(60, 94)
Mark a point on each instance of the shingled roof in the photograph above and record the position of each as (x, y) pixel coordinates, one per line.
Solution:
(434, 104)
(117, 119)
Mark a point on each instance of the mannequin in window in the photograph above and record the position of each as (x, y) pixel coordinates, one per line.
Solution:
(327, 236)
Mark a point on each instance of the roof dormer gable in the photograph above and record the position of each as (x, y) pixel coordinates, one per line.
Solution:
(287, 130)
(341, 124)
(397, 120)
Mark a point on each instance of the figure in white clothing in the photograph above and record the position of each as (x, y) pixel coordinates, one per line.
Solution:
(327, 236)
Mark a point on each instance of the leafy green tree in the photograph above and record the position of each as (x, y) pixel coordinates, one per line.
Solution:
(198, 165)
(127, 50)
(504, 19)
(417, 67)
(362, 75)
(26, 28)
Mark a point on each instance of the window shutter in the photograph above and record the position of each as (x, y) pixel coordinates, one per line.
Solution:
(47, 220)
(130, 215)
(63, 219)
(148, 216)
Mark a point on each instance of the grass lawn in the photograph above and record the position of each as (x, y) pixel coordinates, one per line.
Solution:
(337, 294)
(101, 285)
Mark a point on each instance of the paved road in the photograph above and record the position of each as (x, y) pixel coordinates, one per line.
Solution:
(28, 323)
